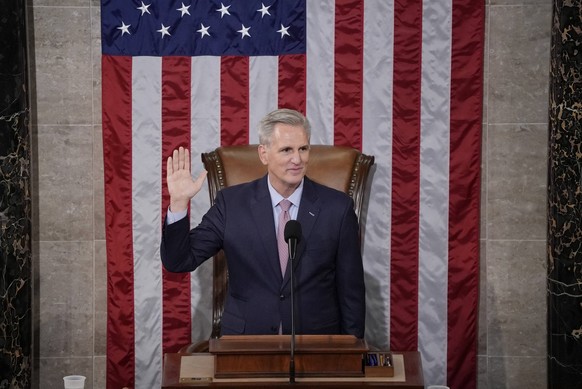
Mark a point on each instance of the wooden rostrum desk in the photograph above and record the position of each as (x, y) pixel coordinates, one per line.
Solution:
(327, 361)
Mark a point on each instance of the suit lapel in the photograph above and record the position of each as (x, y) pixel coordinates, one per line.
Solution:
(262, 211)
(307, 216)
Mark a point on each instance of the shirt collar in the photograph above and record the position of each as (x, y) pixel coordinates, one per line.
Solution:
(276, 198)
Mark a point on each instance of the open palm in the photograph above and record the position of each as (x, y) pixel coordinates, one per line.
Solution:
(181, 186)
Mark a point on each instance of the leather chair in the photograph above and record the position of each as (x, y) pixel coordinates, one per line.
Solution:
(342, 168)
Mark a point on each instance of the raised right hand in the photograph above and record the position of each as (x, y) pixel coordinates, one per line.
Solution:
(181, 186)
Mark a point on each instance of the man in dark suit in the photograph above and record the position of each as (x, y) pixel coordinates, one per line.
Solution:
(329, 291)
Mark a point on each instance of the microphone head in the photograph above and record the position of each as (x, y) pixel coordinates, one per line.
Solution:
(292, 230)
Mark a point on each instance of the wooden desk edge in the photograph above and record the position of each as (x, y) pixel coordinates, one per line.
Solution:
(412, 368)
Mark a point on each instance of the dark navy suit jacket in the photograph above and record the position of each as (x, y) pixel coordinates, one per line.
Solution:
(329, 294)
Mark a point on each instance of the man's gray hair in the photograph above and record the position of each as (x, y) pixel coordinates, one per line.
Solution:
(285, 116)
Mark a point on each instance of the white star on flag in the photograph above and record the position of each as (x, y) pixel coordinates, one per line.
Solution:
(124, 28)
(244, 31)
(264, 10)
(223, 10)
(283, 31)
(184, 9)
(203, 30)
(144, 8)
(164, 31)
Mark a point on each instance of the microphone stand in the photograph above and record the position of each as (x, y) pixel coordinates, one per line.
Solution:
(292, 236)
(292, 360)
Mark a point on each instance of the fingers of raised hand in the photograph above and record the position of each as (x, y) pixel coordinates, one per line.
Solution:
(183, 159)
(176, 160)
(169, 167)
(180, 160)
(186, 158)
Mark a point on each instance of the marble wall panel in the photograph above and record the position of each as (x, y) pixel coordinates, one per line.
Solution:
(65, 182)
(516, 298)
(483, 201)
(64, 69)
(35, 312)
(96, 60)
(98, 185)
(565, 200)
(519, 2)
(516, 181)
(482, 330)
(100, 298)
(16, 340)
(482, 372)
(52, 371)
(61, 3)
(519, 43)
(99, 373)
(66, 299)
(517, 373)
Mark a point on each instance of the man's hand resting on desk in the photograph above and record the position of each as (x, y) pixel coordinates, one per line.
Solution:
(181, 186)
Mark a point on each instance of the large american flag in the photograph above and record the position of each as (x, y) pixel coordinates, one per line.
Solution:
(397, 79)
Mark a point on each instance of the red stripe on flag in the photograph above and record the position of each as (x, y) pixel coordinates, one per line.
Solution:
(292, 82)
(117, 121)
(176, 76)
(464, 192)
(348, 74)
(234, 100)
(405, 175)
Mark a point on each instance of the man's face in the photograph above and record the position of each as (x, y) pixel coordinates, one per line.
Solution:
(286, 157)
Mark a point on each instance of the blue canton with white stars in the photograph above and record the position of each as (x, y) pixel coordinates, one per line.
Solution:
(203, 27)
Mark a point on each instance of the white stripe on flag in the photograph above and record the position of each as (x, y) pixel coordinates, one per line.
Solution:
(263, 91)
(434, 194)
(320, 69)
(377, 141)
(205, 137)
(146, 219)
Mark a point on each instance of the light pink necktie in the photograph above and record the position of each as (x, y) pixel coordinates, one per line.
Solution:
(283, 248)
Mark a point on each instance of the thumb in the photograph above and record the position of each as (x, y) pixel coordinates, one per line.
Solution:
(200, 179)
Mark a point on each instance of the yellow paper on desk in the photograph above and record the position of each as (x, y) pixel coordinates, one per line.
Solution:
(196, 368)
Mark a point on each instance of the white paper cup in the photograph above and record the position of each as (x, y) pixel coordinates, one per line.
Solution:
(74, 382)
(438, 387)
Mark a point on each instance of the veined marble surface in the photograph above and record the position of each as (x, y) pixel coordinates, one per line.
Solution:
(565, 200)
(15, 203)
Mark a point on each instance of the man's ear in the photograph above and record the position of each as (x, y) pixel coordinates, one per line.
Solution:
(263, 154)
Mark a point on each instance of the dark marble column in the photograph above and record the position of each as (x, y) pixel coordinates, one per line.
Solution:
(565, 199)
(15, 201)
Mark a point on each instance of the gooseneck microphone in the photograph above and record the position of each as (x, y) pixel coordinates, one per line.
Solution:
(292, 237)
